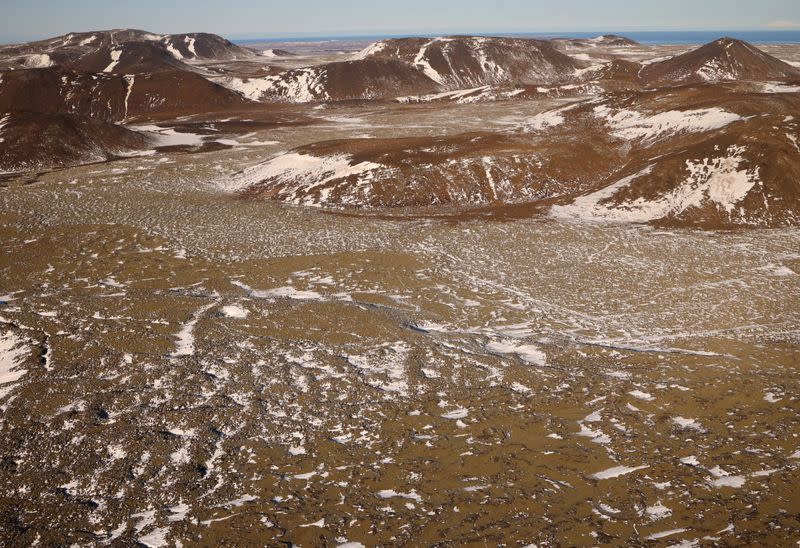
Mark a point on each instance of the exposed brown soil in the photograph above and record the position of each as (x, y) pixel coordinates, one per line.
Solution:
(34, 141)
(115, 97)
(332, 415)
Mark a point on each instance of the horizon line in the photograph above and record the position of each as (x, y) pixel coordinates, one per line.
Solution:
(268, 36)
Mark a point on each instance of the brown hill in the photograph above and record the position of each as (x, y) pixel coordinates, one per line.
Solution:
(460, 62)
(112, 97)
(475, 169)
(373, 78)
(745, 176)
(127, 58)
(723, 60)
(34, 141)
(609, 76)
(204, 46)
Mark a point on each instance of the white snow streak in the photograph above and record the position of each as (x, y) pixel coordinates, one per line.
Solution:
(115, 55)
(13, 351)
(630, 124)
(718, 180)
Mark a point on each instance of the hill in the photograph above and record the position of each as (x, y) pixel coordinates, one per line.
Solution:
(725, 59)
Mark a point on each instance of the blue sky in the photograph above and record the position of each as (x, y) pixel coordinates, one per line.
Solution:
(30, 19)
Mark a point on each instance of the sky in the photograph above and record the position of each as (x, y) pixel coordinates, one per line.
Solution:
(22, 20)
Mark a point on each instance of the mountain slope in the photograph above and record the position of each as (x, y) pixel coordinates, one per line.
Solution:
(473, 169)
(204, 46)
(460, 62)
(712, 156)
(723, 60)
(346, 80)
(126, 58)
(416, 66)
(121, 51)
(113, 97)
(708, 156)
(32, 141)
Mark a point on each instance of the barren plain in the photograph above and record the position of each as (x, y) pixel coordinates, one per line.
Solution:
(187, 364)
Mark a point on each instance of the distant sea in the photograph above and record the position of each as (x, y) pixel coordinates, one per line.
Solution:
(645, 37)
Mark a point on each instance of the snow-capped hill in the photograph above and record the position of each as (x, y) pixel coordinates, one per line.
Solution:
(713, 183)
(726, 59)
(693, 164)
(461, 62)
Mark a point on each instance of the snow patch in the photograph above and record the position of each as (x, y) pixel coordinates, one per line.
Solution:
(13, 351)
(717, 180)
(424, 65)
(369, 51)
(234, 311)
(641, 395)
(616, 472)
(185, 337)
(664, 534)
(155, 539)
(303, 85)
(189, 41)
(115, 56)
(658, 511)
(631, 125)
(774, 87)
(548, 119)
(526, 352)
(456, 415)
(87, 41)
(174, 51)
(303, 177)
(390, 493)
(691, 424)
(166, 137)
(38, 60)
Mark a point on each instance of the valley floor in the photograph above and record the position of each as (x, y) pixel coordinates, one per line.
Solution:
(187, 367)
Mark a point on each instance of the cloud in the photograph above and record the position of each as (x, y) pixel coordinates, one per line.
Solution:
(783, 25)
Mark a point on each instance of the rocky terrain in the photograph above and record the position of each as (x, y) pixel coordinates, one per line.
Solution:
(705, 137)
(713, 150)
(463, 290)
